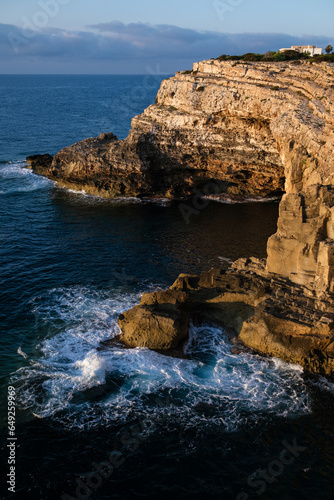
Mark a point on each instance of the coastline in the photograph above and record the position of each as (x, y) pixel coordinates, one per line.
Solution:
(70, 265)
(282, 134)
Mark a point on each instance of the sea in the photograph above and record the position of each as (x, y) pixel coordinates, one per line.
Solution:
(103, 422)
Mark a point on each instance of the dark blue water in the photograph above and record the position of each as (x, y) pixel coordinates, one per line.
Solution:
(212, 426)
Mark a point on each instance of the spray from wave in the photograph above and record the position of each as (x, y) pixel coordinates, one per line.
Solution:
(76, 379)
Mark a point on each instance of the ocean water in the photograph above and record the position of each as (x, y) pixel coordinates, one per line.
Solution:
(214, 425)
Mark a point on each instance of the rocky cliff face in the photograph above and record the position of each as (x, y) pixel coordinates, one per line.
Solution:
(249, 130)
(237, 129)
(212, 124)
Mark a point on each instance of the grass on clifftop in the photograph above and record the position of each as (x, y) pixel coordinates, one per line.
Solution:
(289, 55)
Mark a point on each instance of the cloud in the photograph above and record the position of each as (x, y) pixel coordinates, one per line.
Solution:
(149, 34)
(115, 47)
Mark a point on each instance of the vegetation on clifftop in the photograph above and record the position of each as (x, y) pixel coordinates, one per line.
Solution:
(289, 55)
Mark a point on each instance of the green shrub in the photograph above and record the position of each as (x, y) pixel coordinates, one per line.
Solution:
(324, 57)
(250, 56)
(277, 56)
(289, 55)
(293, 55)
(268, 55)
(224, 57)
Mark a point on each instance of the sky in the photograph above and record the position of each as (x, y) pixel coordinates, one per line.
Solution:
(140, 36)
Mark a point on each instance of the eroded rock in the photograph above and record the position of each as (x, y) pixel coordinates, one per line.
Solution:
(239, 130)
(160, 328)
(230, 129)
(270, 315)
(40, 162)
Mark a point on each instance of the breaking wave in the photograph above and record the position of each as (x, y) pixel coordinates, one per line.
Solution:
(17, 178)
(78, 379)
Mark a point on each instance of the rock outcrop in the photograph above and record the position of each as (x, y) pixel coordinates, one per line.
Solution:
(245, 125)
(42, 162)
(155, 324)
(267, 314)
(240, 129)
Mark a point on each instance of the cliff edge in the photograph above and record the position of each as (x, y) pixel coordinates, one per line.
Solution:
(252, 129)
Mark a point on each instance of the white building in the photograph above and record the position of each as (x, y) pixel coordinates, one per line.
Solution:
(312, 50)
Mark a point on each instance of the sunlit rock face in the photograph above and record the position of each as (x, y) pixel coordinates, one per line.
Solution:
(235, 129)
(266, 313)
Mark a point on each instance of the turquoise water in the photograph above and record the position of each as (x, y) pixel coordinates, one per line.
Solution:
(202, 427)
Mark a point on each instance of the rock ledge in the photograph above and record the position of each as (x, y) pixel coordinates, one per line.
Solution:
(268, 314)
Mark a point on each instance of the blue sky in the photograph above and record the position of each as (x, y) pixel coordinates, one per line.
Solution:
(101, 36)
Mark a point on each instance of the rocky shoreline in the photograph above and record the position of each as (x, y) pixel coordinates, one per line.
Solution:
(249, 130)
(266, 313)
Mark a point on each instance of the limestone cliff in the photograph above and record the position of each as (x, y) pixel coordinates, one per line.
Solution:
(243, 128)
(250, 129)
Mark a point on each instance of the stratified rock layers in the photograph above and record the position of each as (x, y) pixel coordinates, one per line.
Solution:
(268, 314)
(240, 129)
(249, 130)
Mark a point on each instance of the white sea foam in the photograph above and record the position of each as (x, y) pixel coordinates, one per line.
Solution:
(74, 191)
(228, 201)
(23, 354)
(17, 178)
(82, 194)
(225, 259)
(212, 386)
